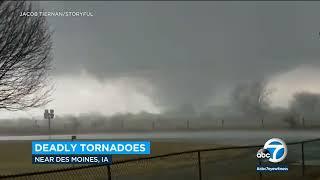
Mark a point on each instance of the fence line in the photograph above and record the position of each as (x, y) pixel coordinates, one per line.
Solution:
(198, 151)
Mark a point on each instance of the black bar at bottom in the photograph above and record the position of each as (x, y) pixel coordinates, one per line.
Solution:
(302, 157)
(199, 166)
(109, 172)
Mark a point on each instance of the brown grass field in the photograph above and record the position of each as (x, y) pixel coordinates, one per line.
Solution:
(16, 155)
(15, 158)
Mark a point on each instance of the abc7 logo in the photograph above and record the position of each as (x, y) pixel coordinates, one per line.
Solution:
(263, 154)
(274, 150)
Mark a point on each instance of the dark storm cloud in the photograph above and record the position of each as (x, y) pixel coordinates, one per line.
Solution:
(190, 51)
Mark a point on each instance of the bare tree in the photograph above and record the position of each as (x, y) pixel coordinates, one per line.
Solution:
(290, 119)
(305, 102)
(252, 99)
(305, 105)
(25, 57)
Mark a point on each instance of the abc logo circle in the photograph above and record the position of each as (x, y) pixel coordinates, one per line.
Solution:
(277, 148)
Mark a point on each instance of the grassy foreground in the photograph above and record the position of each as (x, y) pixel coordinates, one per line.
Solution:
(15, 157)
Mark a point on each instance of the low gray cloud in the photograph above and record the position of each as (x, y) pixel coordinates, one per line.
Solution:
(189, 51)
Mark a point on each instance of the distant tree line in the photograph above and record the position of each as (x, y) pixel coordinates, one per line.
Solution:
(252, 99)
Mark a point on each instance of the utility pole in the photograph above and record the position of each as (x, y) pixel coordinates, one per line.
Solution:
(36, 125)
(49, 115)
(153, 124)
(122, 124)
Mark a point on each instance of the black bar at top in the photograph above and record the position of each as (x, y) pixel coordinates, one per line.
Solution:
(184, 0)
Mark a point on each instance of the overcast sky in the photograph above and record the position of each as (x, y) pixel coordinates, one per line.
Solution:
(153, 56)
